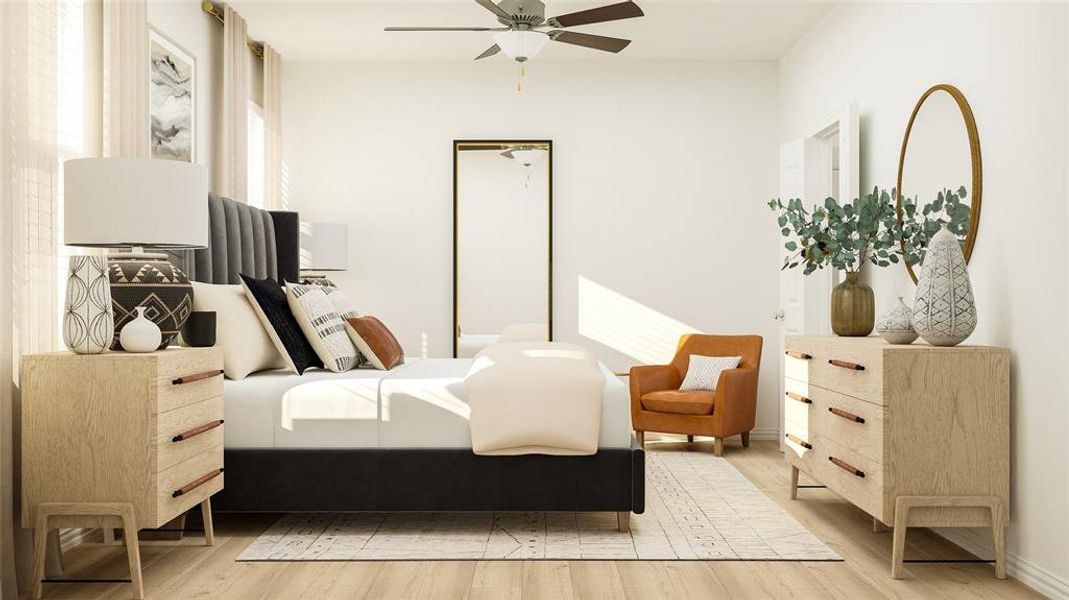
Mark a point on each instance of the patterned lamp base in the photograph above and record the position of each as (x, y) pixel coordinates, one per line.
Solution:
(88, 327)
(154, 283)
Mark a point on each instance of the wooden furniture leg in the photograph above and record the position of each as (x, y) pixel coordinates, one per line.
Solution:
(794, 482)
(86, 514)
(690, 439)
(903, 504)
(641, 435)
(878, 526)
(133, 552)
(206, 517)
(40, 547)
(718, 447)
(623, 521)
(745, 439)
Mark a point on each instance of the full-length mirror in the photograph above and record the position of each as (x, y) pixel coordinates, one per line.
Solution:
(502, 242)
(940, 175)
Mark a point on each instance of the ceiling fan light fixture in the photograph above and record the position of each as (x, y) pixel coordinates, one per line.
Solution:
(521, 45)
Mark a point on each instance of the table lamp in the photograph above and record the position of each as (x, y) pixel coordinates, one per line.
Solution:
(130, 203)
(324, 247)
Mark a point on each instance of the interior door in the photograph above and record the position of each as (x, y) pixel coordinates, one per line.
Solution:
(806, 172)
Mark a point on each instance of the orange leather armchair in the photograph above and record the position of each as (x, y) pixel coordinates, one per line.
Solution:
(657, 403)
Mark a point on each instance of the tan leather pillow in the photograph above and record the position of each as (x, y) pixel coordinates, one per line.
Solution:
(375, 342)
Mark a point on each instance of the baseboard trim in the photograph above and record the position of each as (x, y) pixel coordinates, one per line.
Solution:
(764, 433)
(1035, 577)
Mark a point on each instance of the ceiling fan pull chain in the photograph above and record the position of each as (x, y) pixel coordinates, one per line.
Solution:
(519, 82)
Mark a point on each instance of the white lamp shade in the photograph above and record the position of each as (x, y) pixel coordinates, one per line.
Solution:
(521, 45)
(324, 247)
(126, 202)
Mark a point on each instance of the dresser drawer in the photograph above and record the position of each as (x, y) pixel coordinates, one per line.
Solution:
(185, 432)
(852, 476)
(187, 484)
(854, 424)
(186, 378)
(853, 369)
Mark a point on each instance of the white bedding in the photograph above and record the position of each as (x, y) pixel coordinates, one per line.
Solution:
(423, 406)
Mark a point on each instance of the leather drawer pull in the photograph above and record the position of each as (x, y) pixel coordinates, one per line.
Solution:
(196, 483)
(849, 416)
(799, 398)
(185, 435)
(196, 377)
(849, 468)
(799, 441)
(801, 355)
(846, 365)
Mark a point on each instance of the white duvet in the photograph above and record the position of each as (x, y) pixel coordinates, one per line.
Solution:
(535, 398)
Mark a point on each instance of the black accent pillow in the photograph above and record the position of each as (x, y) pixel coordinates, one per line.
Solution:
(269, 301)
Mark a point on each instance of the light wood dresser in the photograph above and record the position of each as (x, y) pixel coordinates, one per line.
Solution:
(120, 440)
(914, 435)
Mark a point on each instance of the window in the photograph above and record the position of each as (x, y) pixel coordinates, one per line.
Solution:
(70, 126)
(256, 155)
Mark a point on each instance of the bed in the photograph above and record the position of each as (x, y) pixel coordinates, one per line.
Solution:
(367, 440)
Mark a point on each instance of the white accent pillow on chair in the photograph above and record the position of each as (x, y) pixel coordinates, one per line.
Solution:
(703, 372)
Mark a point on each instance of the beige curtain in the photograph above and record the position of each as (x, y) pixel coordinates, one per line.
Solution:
(126, 59)
(272, 129)
(29, 187)
(233, 167)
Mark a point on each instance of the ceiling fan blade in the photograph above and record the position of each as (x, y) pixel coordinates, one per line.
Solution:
(497, 10)
(597, 42)
(445, 29)
(612, 12)
(507, 154)
(492, 50)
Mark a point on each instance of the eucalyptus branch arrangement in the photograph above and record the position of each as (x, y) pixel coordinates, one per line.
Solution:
(947, 209)
(842, 236)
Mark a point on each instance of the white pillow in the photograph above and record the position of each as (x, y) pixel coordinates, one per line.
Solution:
(246, 346)
(342, 304)
(322, 326)
(704, 371)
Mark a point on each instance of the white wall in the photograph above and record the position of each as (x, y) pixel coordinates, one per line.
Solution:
(196, 31)
(1010, 61)
(661, 174)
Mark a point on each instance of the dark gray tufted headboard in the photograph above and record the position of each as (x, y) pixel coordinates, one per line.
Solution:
(247, 240)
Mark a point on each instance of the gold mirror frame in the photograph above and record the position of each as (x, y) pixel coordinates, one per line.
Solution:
(459, 145)
(977, 165)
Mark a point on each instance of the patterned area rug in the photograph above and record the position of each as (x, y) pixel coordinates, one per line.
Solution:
(698, 507)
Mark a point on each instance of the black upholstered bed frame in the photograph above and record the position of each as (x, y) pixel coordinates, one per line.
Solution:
(248, 240)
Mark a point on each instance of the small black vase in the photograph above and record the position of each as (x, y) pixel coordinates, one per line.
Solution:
(199, 330)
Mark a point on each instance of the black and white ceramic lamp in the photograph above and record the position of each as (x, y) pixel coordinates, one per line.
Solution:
(134, 204)
(324, 247)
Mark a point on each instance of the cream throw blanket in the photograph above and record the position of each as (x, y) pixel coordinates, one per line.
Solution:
(535, 398)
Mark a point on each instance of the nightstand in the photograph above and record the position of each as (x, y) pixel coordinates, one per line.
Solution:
(120, 440)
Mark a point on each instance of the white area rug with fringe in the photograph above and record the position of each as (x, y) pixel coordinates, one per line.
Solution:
(698, 507)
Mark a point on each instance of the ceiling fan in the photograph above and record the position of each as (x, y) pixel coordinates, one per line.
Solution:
(522, 37)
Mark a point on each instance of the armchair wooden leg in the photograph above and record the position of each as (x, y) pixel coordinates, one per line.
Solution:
(718, 447)
(623, 521)
(745, 439)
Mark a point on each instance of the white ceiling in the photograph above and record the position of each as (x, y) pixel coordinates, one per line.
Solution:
(338, 30)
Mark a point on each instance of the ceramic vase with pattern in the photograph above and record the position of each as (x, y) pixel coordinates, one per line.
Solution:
(88, 324)
(156, 284)
(896, 325)
(944, 312)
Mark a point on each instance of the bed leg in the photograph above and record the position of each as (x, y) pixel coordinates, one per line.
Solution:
(623, 521)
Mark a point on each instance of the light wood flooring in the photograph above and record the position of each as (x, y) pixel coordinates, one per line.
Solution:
(188, 570)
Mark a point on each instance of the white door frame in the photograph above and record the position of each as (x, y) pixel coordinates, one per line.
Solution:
(843, 126)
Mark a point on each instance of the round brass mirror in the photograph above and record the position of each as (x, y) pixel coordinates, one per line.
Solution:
(940, 167)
